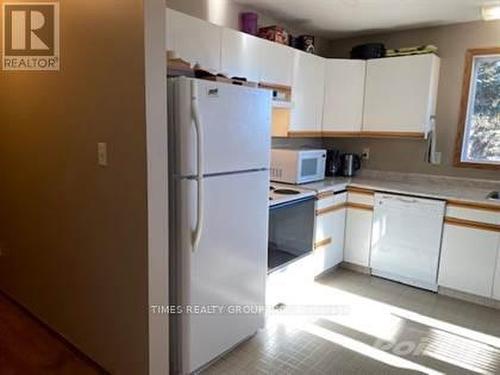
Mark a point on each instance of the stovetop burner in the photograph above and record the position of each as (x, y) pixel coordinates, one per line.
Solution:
(286, 191)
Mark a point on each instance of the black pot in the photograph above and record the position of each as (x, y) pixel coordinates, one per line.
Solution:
(368, 51)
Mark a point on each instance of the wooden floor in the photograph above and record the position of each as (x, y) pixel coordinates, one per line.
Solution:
(28, 348)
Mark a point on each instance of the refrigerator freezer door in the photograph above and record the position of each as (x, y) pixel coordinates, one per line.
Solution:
(229, 266)
(236, 125)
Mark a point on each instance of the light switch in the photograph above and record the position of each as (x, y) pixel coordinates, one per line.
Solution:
(102, 154)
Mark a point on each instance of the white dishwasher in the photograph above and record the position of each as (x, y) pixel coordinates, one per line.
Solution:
(406, 239)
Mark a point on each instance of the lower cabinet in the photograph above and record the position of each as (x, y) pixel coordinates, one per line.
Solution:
(329, 237)
(469, 260)
(358, 227)
(358, 236)
(496, 282)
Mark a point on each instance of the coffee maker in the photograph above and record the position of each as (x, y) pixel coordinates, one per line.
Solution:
(333, 163)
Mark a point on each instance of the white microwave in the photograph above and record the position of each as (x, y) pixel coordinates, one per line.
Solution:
(297, 166)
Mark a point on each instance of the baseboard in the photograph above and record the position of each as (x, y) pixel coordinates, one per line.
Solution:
(484, 301)
(355, 268)
(325, 272)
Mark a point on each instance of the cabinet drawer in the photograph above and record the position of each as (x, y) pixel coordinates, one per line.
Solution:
(471, 214)
(361, 198)
(326, 202)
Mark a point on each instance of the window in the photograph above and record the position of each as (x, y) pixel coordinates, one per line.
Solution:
(478, 140)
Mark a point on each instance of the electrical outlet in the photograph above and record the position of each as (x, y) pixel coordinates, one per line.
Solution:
(102, 154)
(366, 154)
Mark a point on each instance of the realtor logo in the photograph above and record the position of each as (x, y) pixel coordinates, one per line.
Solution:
(30, 36)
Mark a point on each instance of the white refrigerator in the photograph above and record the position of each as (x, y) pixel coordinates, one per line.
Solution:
(220, 143)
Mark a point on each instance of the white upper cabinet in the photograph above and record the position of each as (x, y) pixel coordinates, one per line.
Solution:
(344, 95)
(307, 92)
(276, 63)
(240, 55)
(256, 59)
(401, 93)
(194, 40)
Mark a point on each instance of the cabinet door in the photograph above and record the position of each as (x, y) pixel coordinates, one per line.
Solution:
(344, 95)
(276, 63)
(358, 236)
(496, 283)
(307, 92)
(194, 40)
(468, 259)
(400, 93)
(240, 55)
(330, 229)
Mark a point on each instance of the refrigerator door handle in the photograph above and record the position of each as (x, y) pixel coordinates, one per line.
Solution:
(199, 176)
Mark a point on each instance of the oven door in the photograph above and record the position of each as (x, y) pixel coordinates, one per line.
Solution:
(311, 166)
(291, 232)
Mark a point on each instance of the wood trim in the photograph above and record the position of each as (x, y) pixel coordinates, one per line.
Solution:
(359, 206)
(324, 195)
(471, 224)
(464, 164)
(360, 134)
(304, 134)
(474, 205)
(464, 104)
(326, 210)
(358, 190)
(275, 86)
(325, 242)
(382, 134)
(331, 133)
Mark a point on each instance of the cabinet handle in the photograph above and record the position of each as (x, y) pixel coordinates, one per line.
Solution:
(325, 242)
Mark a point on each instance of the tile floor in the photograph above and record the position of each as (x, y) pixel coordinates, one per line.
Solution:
(371, 326)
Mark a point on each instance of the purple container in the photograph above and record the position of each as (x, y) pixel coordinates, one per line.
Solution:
(249, 23)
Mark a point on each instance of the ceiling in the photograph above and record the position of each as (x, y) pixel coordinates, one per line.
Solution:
(342, 18)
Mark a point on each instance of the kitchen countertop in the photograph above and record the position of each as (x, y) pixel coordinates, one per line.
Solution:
(447, 188)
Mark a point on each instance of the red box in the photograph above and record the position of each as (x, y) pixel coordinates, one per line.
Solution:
(274, 33)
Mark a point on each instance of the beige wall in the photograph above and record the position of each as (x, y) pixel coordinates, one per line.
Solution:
(453, 41)
(74, 235)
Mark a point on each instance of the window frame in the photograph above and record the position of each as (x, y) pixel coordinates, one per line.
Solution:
(464, 107)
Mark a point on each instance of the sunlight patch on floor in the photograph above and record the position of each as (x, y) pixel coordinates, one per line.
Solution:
(445, 342)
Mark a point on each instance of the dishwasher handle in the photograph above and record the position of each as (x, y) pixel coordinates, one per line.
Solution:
(407, 200)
